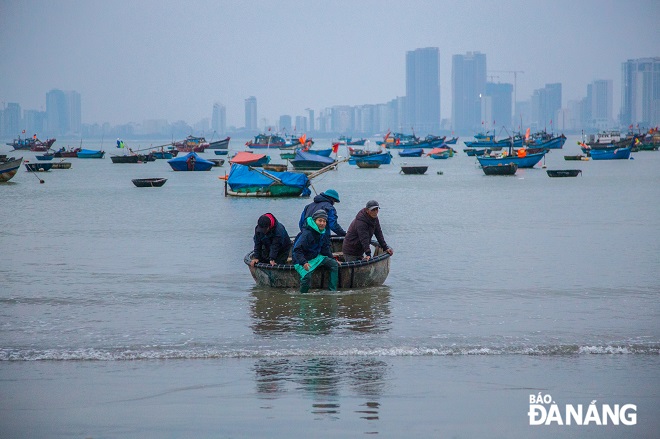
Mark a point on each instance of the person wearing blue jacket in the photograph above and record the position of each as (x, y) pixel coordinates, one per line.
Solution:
(271, 241)
(324, 200)
(311, 250)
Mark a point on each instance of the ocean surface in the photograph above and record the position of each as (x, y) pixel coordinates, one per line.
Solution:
(128, 312)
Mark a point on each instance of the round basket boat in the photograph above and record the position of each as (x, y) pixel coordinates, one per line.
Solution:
(358, 274)
(149, 182)
(366, 164)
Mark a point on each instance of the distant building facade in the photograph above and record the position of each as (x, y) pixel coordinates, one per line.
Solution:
(599, 105)
(219, 119)
(468, 85)
(63, 113)
(640, 92)
(251, 114)
(423, 90)
(546, 103)
(285, 124)
(499, 98)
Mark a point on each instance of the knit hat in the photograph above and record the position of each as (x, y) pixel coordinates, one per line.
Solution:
(320, 214)
(332, 194)
(265, 222)
(372, 204)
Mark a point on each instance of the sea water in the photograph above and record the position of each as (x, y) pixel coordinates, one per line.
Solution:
(128, 312)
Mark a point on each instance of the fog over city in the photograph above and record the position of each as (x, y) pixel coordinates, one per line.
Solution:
(162, 59)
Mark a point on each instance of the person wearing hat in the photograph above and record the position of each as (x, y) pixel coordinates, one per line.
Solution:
(324, 200)
(358, 237)
(312, 250)
(271, 241)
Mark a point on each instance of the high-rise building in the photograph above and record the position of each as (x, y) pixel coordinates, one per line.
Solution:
(301, 124)
(546, 102)
(219, 119)
(63, 112)
(499, 98)
(640, 92)
(12, 121)
(468, 85)
(599, 95)
(423, 90)
(285, 124)
(310, 118)
(251, 113)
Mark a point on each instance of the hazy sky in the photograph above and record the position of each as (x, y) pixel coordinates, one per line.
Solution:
(162, 59)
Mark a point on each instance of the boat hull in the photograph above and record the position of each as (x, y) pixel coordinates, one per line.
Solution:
(124, 158)
(39, 167)
(522, 162)
(563, 172)
(411, 152)
(149, 182)
(414, 170)
(610, 154)
(89, 154)
(9, 168)
(220, 144)
(382, 158)
(501, 169)
(359, 274)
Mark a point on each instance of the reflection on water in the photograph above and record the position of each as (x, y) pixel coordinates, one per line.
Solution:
(363, 311)
(324, 378)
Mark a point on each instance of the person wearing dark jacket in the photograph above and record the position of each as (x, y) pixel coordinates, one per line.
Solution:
(271, 241)
(324, 200)
(311, 250)
(358, 237)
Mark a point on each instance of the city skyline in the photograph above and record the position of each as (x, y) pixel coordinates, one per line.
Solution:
(166, 60)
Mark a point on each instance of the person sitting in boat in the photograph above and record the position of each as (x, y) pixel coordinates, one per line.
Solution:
(358, 237)
(312, 250)
(324, 201)
(271, 241)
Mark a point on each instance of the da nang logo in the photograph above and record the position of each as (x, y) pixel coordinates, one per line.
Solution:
(544, 411)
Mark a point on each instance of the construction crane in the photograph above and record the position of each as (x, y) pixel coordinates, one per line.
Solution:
(491, 77)
(515, 81)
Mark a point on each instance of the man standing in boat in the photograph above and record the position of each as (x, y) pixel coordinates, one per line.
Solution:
(312, 250)
(358, 238)
(324, 201)
(271, 241)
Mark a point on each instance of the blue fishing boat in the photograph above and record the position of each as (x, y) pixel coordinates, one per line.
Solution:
(305, 161)
(39, 166)
(384, 158)
(163, 155)
(452, 141)
(9, 167)
(90, 154)
(245, 181)
(321, 152)
(220, 151)
(190, 162)
(487, 140)
(45, 157)
(356, 142)
(545, 140)
(250, 158)
(474, 151)
(611, 154)
(527, 161)
(411, 152)
(266, 141)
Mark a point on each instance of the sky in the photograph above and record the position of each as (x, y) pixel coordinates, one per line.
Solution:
(161, 59)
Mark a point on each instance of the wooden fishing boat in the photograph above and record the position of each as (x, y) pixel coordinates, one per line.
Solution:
(358, 274)
(523, 162)
(219, 144)
(500, 169)
(190, 162)
(217, 162)
(563, 172)
(411, 152)
(149, 182)
(38, 167)
(64, 153)
(414, 170)
(275, 167)
(45, 157)
(249, 158)
(610, 154)
(124, 158)
(61, 165)
(9, 167)
(384, 158)
(90, 154)
(367, 164)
